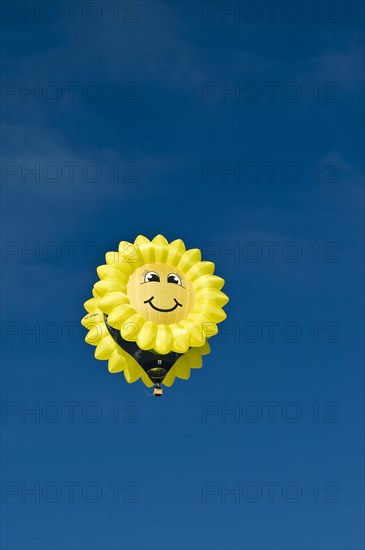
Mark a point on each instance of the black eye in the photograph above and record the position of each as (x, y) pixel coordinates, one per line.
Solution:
(151, 276)
(173, 278)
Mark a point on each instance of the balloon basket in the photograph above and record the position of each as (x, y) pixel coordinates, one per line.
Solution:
(157, 391)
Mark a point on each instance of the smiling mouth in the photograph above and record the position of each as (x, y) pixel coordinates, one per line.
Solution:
(164, 310)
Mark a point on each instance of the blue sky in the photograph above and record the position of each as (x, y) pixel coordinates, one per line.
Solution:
(149, 154)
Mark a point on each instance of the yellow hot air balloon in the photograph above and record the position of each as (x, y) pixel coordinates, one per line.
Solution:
(153, 310)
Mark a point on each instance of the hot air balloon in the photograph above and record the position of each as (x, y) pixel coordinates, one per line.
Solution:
(153, 310)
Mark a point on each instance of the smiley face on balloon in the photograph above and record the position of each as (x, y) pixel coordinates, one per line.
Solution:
(161, 293)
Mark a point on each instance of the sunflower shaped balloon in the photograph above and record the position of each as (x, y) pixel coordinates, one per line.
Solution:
(153, 310)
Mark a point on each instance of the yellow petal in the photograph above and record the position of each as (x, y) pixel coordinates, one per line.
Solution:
(214, 313)
(96, 334)
(117, 361)
(148, 253)
(130, 256)
(112, 258)
(160, 240)
(207, 325)
(195, 358)
(112, 300)
(105, 348)
(211, 295)
(195, 331)
(109, 285)
(163, 339)
(210, 329)
(180, 338)
(132, 371)
(91, 305)
(121, 263)
(183, 367)
(161, 248)
(108, 271)
(176, 251)
(208, 281)
(188, 259)
(147, 382)
(170, 377)
(141, 240)
(120, 314)
(147, 336)
(124, 246)
(92, 318)
(199, 269)
(131, 328)
(204, 350)
(96, 294)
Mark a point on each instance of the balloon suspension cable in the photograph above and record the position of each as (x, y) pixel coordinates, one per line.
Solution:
(157, 390)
